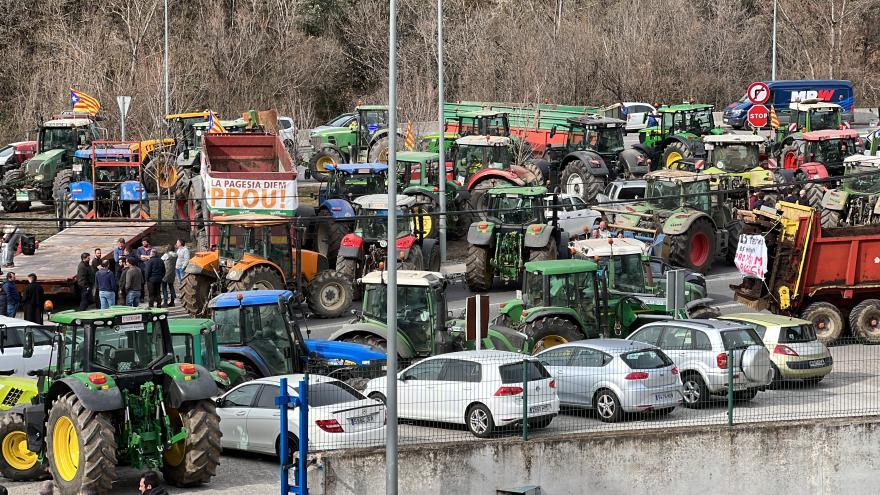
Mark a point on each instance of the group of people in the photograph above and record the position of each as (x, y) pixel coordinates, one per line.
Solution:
(149, 484)
(30, 301)
(131, 276)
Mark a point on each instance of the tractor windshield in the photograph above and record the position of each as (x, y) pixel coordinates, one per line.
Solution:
(698, 122)
(735, 158)
(628, 273)
(663, 195)
(824, 119)
(372, 225)
(833, 150)
(516, 209)
(416, 316)
(54, 138)
(343, 184)
(574, 290)
(127, 347)
(264, 331)
(471, 159)
(695, 195)
(605, 139)
(862, 179)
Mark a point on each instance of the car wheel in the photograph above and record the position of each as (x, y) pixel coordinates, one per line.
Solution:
(292, 449)
(608, 407)
(479, 421)
(378, 396)
(695, 392)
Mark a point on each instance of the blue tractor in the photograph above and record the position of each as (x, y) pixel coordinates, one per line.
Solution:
(105, 181)
(256, 329)
(345, 183)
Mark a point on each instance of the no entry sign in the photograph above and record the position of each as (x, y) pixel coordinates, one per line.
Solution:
(758, 116)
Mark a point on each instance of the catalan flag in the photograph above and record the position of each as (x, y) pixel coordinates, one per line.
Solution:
(410, 141)
(82, 102)
(214, 124)
(774, 120)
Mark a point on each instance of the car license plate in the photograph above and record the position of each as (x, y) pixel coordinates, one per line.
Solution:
(360, 420)
(666, 396)
(817, 363)
(22, 196)
(539, 409)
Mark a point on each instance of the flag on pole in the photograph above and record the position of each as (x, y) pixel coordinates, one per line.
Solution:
(214, 124)
(410, 140)
(82, 102)
(774, 120)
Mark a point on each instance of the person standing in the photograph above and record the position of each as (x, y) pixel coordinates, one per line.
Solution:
(182, 258)
(95, 264)
(170, 261)
(105, 280)
(154, 274)
(132, 282)
(119, 250)
(32, 301)
(143, 255)
(85, 280)
(13, 298)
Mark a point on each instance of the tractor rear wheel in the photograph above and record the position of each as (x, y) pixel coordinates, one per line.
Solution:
(694, 249)
(195, 292)
(162, 169)
(7, 192)
(478, 198)
(827, 320)
(259, 278)
(81, 447)
(414, 259)
(789, 157)
(379, 150)
(864, 321)
(550, 331)
(536, 171)
(829, 218)
(61, 195)
(193, 460)
(578, 181)
(329, 294)
(480, 273)
(330, 234)
(349, 268)
(675, 152)
(319, 161)
(814, 194)
(17, 463)
(548, 252)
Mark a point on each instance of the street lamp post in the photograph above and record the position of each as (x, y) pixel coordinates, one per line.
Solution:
(167, 90)
(391, 375)
(440, 121)
(773, 69)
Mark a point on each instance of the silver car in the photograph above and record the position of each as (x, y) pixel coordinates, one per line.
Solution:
(614, 376)
(702, 348)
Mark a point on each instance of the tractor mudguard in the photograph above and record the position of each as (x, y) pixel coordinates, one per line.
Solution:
(814, 170)
(312, 263)
(330, 350)
(181, 390)
(35, 421)
(422, 191)
(595, 164)
(480, 233)
(680, 222)
(305, 211)
(203, 263)
(505, 175)
(245, 354)
(404, 349)
(82, 191)
(696, 303)
(93, 398)
(351, 247)
(538, 235)
(248, 262)
(636, 161)
(338, 208)
(513, 309)
(834, 200)
(332, 147)
(132, 190)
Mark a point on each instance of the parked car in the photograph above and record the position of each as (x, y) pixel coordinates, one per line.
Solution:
(637, 115)
(575, 216)
(14, 154)
(287, 132)
(620, 193)
(343, 120)
(795, 350)
(339, 416)
(702, 351)
(481, 389)
(614, 376)
(12, 332)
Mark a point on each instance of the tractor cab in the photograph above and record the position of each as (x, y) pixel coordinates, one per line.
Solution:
(418, 175)
(475, 153)
(599, 134)
(481, 123)
(195, 341)
(352, 180)
(251, 238)
(372, 225)
(814, 115)
(828, 147)
(370, 120)
(182, 128)
(107, 182)
(731, 154)
(517, 205)
(687, 119)
(420, 169)
(623, 261)
(669, 190)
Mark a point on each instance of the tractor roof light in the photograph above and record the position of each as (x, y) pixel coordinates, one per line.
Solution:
(223, 375)
(536, 228)
(239, 296)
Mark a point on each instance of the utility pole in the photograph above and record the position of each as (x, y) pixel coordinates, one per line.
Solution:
(391, 375)
(167, 90)
(440, 122)
(773, 70)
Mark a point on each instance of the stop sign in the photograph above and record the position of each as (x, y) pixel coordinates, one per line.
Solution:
(758, 116)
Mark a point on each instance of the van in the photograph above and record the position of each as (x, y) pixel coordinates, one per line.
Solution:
(784, 93)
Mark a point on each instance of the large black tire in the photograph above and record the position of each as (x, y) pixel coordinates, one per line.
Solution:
(480, 273)
(7, 192)
(259, 278)
(695, 249)
(458, 221)
(548, 252)
(675, 152)
(478, 198)
(330, 234)
(76, 211)
(194, 460)
(703, 313)
(61, 195)
(329, 294)
(139, 211)
(349, 267)
(414, 259)
(17, 463)
(536, 171)
(864, 321)
(829, 218)
(184, 177)
(373, 341)
(195, 292)
(161, 166)
(550, 331)
(95, 466)
(432, 259)
(814, 194)
(379, 149)
(733, 232)
(577, 180)
(320, 159)
(827, 320)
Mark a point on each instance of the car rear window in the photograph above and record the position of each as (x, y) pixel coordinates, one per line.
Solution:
(329, 393)
(631, 193)
(797, 334)
(647, 359)
(740, 338)
(513, 373)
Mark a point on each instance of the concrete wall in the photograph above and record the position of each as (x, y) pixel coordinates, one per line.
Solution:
(827, 457)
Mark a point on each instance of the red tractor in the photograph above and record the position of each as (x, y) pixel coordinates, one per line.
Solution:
(819, 154)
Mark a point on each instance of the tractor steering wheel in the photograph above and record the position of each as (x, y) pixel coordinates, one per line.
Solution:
(106, 356)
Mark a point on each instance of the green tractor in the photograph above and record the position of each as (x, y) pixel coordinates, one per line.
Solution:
(516, 230)
(38, 178)
(467, 123)
(855, 202)
(195, 341)
(418, 173)
(486, 162)
(364, 140)
(113, 395)
(678, 134)
(692, 224)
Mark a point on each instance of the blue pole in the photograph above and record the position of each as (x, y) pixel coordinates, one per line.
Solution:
(283, 401)
(303, 436)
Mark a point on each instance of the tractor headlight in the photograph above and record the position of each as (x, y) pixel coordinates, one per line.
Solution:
(383, 243)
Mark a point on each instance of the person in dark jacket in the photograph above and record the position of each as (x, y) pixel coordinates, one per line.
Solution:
(170, 261)
(32, 302)
(151, 484)
(85, 280)
(132, 283)
(13, 298)
(154, 274)
(2, 301)
(105, 280)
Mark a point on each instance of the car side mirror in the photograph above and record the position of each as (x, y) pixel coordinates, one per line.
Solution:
(220, 401)
(545, 363)
(27, 350)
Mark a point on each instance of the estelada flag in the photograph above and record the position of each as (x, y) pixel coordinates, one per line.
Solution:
(214, 124)
(774, 120)
(82, 102)
(410, 141)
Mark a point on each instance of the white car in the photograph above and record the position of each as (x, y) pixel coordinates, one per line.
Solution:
(575, 216)
(637, 115)
(287, 132)
(339, 416)
(480, 389)
(12, 332)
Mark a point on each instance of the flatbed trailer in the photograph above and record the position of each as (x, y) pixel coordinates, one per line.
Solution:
(55, 261)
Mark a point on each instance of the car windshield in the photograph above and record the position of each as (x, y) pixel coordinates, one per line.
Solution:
(415, 314)
(471, 159)
(516, 208)
(834, 150)
(372, 225)
(605, 139)
(264, 331)
(739, 338)
(863, 178)
(6, 152)
(58, 138)
(646, 359)
(824, 119)
(629, 273)
(126, 347)
(663, 195)
(339, 121)
(735, 157)
(797, 334)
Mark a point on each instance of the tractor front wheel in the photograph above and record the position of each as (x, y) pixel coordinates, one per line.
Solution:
(7, 191)
(694, 249)
(259, 278)
(329, 294)
(578, 181)
(195, 292)
(349, 268)
(193, 460)
(320, 160)
(81, 447)
(480, 273)
(17, 463)
(548, 332)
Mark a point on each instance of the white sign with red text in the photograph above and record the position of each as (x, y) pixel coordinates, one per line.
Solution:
(751, 256)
